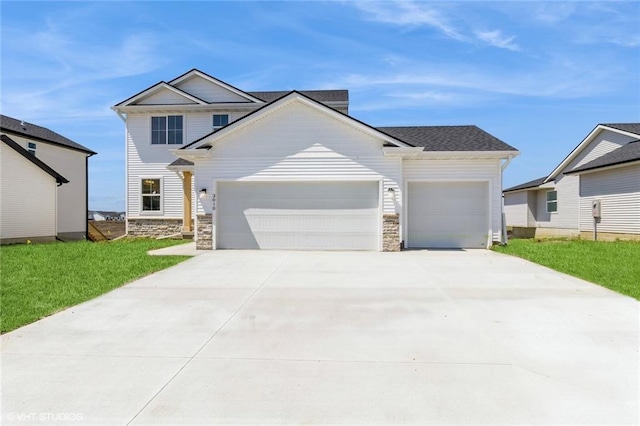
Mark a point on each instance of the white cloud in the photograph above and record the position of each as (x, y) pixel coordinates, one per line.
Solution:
(497, 39)
(416, 14)
(406, 13)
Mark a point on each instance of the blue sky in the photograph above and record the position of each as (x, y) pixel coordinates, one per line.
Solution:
(539, 76)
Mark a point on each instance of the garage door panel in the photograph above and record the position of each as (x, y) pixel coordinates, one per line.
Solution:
(447, 214)
(298, 215)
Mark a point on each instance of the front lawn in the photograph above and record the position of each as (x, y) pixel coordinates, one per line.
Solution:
(41, 279)
(615, 265)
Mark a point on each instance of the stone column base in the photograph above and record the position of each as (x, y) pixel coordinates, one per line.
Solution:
(205, 232)
(391, 232)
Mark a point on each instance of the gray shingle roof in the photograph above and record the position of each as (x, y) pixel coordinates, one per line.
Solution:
(181, 162)
(35, 160)
(626, 127)
(316, 95)
(31, 131)
(448, 138)
(531, 184)
(625, 154)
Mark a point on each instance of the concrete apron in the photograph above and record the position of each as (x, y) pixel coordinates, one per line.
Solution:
(417, 337)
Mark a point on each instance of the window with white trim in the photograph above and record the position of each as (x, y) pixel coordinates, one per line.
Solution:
(31, 147)
(552, 201)
(166, 130)
(151, 192)
(220, 120)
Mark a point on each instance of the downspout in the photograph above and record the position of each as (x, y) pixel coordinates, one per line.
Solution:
(506, 163)
(505, 238)
(86, 196)
(126, 182)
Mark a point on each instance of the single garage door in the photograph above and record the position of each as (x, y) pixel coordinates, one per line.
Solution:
(298, 215)
(447, 214)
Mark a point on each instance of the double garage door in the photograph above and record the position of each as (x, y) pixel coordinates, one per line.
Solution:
(298, 215)
(346, 215)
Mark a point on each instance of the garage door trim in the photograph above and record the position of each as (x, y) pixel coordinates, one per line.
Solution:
(406, 201)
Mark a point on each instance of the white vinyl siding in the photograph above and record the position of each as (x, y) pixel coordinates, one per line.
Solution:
(209, 91)
(447, 214)
(166, 97)
(28, 204)
(462, 170)
(71, 197)
(619, 192)
(299, 143)
(516, 208)
(298, 215)
(146, 160)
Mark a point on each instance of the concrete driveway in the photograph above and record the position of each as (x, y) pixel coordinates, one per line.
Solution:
(250, 337)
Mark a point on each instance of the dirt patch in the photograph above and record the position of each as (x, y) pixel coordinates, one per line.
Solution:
(110, 228)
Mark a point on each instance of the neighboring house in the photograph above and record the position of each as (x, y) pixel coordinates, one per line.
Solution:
(291, 170)
(603, 168)
(27, 210)
(24, 216)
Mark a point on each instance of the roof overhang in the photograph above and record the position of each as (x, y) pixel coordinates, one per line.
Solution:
(191, 155)
(239, 106)
(292, 97)
(197, 73)
(582, 145)
(417, 153)
(153, 90)
(604, 168)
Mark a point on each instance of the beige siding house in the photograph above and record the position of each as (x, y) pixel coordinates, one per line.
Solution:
(292, 170)
(28, 211)
(605, 168)
(66, 157)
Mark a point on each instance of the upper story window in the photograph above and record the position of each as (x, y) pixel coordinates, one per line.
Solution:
(220, 120)
(166, 130)
(552, 201)
(31, 147)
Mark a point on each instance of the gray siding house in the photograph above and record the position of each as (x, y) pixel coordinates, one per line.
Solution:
(603, 169)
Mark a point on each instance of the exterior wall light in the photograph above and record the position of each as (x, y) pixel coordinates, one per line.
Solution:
(203, 192)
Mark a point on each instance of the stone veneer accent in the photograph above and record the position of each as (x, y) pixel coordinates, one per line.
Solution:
(391, 232)
(154, 227)
(205, 232)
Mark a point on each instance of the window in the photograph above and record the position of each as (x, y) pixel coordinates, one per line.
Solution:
(166, 130)
(220, 120)
(31, 147)
(151, 195)
(552, 201)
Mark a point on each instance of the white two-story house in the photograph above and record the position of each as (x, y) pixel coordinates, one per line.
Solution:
(292, 170)
(44, 186)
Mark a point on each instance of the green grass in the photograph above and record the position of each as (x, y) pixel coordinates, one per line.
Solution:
(614, 265)
(41, 279)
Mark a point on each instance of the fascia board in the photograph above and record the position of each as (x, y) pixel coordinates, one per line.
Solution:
(604, 168)
(281, 103)
(217, 82)
(154, 89)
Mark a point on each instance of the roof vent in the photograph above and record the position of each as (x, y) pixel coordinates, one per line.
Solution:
(24, 126)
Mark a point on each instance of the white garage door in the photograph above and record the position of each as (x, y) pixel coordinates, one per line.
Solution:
(298, 215)
(447, 214)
